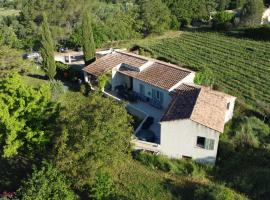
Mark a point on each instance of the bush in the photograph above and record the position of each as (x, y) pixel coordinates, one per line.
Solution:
(179, 167)
(85, 89)
(215, 192)
(103, 187)
(57, 88)
(204, 77)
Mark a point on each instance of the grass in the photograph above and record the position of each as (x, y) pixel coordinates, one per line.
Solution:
(139, 181)
(4, 12)
(241, 66)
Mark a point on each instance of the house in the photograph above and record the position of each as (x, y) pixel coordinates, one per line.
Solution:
(266, 16)
(191, 126)
(187, 119)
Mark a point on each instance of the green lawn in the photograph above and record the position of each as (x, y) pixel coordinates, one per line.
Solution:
(241, 66)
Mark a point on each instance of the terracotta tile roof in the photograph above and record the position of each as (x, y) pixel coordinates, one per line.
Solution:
(199, 104)
(158, 74)
(106, 63)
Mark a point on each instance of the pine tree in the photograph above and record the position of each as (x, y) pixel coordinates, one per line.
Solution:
(88, 43)
(47, 51)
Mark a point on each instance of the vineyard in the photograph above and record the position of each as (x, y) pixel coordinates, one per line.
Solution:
(241, 67)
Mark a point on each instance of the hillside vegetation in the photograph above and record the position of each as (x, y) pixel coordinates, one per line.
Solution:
(241, 67)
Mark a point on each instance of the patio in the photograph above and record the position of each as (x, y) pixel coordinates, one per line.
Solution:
(145, 108)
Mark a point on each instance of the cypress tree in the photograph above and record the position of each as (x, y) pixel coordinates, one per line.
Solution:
(47, 50)
(252, 12)
(88, 43)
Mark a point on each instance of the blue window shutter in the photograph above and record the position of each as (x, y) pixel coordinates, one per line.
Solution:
(161, 97)
(153, 93)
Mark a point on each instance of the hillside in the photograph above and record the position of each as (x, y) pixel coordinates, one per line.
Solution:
(241, 66)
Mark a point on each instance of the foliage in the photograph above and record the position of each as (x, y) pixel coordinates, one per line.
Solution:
(96, 132)
(104, 187)
(103, 81)
(47, 51)
(57, 88)
(244, 169)
(204, 77)
(215, 192)
(25, 116)
(186, 10)
(251, 132)
(61, 67)
(8, 37)
(155, 16)
(88, 43)
(179, 167)
(240, 66)
(252, 12)
(46, 183)
(223, 17)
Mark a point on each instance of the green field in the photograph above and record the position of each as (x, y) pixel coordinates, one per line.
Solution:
(241, 66)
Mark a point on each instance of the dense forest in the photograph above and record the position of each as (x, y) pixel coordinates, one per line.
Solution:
(60, 140)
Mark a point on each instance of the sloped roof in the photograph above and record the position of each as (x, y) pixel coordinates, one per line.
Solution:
(199, 104)
(106, 63)
(157, 73)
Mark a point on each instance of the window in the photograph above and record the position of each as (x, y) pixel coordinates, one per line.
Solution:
(228, 106)
(157, 95)
(201, 142)
(142, 89)
(205, 143)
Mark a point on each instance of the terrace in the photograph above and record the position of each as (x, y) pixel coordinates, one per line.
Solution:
(147, 117)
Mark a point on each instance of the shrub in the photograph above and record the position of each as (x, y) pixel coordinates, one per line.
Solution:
(85, 89)
(103, 187)
(204, 77)
(57, 88)
(179, 167)
(215, 192)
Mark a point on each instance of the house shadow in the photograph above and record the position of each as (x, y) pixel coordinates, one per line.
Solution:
(37, 76)
(183, 189)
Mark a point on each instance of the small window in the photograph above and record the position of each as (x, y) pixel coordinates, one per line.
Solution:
(201, 142)
(186, 157)
(228, 106)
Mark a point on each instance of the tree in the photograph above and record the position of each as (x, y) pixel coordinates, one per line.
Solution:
(25, 117)
(47, 51)
(204, 77)
(103, 188)
(252, 132)
(46, 183)
(88, 43)
(155, 15)
(252, 12)
(96, 133)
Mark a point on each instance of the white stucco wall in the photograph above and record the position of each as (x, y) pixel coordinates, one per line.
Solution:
(229, 113)
(179, 138)
(148, 92)
(266, 17)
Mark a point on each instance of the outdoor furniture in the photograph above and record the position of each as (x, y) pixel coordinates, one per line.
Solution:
(148, 122)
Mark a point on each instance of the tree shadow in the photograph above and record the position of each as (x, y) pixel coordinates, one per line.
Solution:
(37, 76)
(245, 170)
